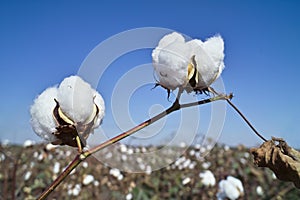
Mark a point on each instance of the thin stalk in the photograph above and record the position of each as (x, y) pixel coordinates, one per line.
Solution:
(240, 113)
(78, 159)
(83, 155)
(246, 120)
(216, 98)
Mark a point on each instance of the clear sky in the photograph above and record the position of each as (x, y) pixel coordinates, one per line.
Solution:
(43, 42)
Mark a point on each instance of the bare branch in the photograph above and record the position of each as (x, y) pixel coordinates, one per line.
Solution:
(85, 154)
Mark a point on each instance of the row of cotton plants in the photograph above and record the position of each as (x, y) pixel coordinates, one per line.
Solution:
(223, 173)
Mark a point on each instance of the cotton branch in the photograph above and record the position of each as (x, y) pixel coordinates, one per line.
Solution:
(85, 154)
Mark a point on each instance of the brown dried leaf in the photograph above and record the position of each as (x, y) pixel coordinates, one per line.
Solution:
(278, 156)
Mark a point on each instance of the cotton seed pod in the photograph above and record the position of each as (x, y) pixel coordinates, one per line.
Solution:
(64, 114)
(192, 65)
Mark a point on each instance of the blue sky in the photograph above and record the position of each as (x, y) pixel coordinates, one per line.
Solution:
(41, 43)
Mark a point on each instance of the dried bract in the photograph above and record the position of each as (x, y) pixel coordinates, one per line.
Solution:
(278, 156)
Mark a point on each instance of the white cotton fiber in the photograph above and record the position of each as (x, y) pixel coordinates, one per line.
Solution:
(214, 46)
(173, 54)
(42, 120)
(207, 178)
(75, 98)
(170, 61)
(206, 67)
(236, 182)
(231, 188)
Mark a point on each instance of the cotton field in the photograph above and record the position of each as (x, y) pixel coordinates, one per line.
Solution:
(224, 173)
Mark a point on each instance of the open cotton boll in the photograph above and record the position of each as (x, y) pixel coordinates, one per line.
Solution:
(41, 111)
(192, 65)
(67, 114)
(207, 178)
(231, 188)
(236, 182)
(75, 97)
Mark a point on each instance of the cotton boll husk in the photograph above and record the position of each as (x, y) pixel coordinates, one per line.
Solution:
(42, 120)
(75, 97)
(98, 100)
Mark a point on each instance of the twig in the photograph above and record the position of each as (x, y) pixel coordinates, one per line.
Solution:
(246, 120)
(85, 154)
(240, 113)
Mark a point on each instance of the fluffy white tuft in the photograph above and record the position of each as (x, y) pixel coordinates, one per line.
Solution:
(173, 54)
(215, 48)
(236, 182)
(42, 120)
(76, 99)
(231, 188)
(170, 60)
(207, 178)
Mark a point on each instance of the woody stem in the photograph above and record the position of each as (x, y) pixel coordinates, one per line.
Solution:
(85, 154)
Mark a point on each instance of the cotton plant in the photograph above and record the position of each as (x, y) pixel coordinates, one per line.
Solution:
(190, 65)
(68, 113)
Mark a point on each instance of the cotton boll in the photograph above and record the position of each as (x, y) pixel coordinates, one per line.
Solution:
(88, 179)
(192, 65)
(230, 188)
(27, 175)
(129, 196)
(236, 182)
(259, 191)
(41, 111)
(76, 190)
(50, 147)
(60, 114)
(28, 143)
(75, 97)
(56, 168)
(114, 172)
(207, 178)
(186, 180)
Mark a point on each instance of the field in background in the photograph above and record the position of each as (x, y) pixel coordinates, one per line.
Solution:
(26, 171)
